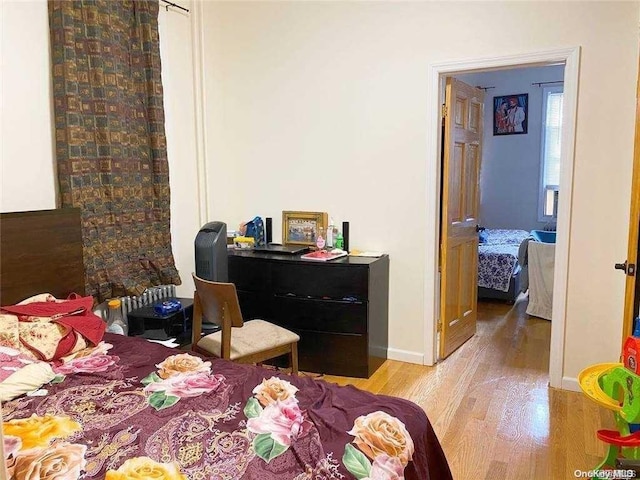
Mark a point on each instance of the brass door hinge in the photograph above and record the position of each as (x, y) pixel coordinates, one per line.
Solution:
(439, 327)
(444, 111)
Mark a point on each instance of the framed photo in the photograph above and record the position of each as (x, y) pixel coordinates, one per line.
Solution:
(301, 228)
(511, 114)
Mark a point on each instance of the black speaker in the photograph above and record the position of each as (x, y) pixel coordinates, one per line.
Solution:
(345, 235)
(269, 228)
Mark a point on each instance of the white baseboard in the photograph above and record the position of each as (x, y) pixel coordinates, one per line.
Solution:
(405, 356)
(570, 383)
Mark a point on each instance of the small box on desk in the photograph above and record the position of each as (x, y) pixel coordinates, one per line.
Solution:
(146, 322)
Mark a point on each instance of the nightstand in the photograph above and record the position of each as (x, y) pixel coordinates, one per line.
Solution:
(145, 322)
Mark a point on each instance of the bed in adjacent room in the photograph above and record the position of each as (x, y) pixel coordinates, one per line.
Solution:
(128, 407)
(499, 271)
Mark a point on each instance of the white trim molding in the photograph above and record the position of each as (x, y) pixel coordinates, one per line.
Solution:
(405, 356)
(563, 236)
(570, 383)
(199, 98)
(570, 57)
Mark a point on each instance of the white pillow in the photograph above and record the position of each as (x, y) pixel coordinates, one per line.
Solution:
(29, 378)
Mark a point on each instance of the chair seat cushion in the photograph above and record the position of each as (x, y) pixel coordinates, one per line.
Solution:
(253, 337)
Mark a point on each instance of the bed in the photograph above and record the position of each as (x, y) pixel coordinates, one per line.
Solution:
(129, 407)
(499, 272)
(541, 263)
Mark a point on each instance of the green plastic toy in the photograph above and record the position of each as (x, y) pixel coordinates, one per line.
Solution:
(622, 389)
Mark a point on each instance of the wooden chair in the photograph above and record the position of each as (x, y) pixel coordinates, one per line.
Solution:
(253, 341)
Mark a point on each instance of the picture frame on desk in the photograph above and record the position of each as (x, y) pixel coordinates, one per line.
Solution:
(301, 228)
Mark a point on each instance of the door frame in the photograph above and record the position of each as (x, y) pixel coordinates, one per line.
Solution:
(570, 57)
(631, 283)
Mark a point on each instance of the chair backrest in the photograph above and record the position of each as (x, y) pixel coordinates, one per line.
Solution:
(219, 302)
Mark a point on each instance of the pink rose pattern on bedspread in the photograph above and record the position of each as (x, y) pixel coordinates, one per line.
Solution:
(12, 360)
(132, 409)
(383, 439)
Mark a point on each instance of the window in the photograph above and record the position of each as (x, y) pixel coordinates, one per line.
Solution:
(550, 162)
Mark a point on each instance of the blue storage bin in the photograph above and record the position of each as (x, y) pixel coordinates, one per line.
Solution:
(544, 236)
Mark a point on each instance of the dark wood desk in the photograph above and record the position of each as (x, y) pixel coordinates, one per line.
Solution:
(339, 308)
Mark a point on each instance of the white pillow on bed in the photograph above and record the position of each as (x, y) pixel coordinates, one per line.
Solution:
(20, 374)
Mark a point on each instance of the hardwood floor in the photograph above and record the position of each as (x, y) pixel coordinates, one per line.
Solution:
(491, 406)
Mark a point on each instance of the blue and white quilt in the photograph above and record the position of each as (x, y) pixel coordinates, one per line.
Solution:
(498, 257)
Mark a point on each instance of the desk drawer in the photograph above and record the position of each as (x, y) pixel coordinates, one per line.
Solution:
(248, 274)
(320, 315)
(319, 281)
(337, 354)
(254, 305)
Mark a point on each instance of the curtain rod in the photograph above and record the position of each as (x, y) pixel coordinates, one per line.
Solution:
(174, 5)
(547, 83)
(484, 88)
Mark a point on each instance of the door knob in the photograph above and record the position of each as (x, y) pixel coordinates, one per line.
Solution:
(626, 267)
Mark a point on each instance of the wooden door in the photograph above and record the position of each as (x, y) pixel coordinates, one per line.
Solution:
(462, 152)
(632, 294)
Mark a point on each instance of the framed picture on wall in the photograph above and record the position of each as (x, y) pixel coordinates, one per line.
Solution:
(510, 114)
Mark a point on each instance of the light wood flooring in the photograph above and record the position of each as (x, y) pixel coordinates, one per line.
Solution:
(491, 406)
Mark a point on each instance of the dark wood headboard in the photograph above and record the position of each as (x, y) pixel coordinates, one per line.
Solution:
(40, 252)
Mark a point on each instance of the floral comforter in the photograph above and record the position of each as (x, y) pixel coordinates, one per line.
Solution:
(131, 409)
(498, 258)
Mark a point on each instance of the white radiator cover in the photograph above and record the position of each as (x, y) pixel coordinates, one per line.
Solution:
(150, 296)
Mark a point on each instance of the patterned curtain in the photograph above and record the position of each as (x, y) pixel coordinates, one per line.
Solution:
(110, 140)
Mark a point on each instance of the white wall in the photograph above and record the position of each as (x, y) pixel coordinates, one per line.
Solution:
(322, 106)
(28, 172)
(510, 169)
(27, 179)
(175, 29)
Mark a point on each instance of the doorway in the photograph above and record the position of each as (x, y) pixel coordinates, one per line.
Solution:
(570, 59)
